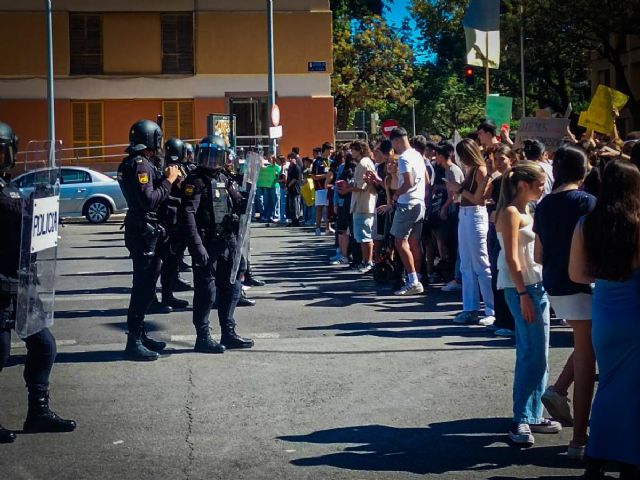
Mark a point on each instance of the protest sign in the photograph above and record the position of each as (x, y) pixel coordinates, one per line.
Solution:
(550, 131)
(498, 109)
(599, 115)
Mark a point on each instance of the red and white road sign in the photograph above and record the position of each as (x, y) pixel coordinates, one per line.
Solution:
(275, 115)
(387, 126)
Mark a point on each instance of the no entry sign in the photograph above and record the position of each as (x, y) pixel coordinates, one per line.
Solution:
(387, 126)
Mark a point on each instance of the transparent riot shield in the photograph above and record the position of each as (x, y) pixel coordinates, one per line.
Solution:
(252, 165)
(39, 238)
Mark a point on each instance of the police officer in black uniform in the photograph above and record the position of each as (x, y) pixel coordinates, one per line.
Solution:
(143, 232)
(188, 162)
(41, 347)
(209, 215)
(172, 250)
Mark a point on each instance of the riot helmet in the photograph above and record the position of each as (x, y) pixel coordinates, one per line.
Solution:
(8, 147)
(212, 152)
(188, 153)
(174, 150)
(145, 135)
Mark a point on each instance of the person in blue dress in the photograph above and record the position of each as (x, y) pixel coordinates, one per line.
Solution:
(606, 249)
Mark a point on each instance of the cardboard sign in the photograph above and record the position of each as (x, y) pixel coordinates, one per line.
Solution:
(44, 229)
(498, 109)
(550, 131)
(599, 115)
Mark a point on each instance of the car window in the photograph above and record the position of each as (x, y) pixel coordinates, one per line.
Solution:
(32, 179)
(70, 176)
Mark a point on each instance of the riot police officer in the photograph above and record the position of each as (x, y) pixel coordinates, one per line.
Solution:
(41, 347)
(143, 232)
(209, 214)
(172, 249)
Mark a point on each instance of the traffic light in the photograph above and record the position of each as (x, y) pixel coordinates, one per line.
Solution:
(469, 75)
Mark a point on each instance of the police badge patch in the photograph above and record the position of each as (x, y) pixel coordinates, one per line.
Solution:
(188, 190)
(143, 178)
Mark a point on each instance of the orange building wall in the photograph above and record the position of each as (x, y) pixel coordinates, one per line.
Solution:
(306, 123)
(119, 115)
(202, 107)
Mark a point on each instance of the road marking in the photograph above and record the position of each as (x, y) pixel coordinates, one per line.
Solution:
(60, 343)
(258, 336)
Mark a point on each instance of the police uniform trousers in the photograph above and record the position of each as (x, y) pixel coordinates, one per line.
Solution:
(41, 353)
(146, 269)
(170, 253)
(206, 288)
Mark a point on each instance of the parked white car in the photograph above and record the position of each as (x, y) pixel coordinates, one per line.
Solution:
(83, 192)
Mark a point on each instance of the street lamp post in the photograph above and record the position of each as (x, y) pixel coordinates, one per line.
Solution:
(273, 145)
(50, 95)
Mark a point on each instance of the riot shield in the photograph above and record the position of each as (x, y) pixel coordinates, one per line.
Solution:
(252, 165)
(39, 238)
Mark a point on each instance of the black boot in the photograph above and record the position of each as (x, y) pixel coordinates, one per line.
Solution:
(6, 436)
(245, 301)
(251, 281)
(136, 351)
(181, 285)
(231, 340)
(151, 344)
(183, 266)
(174, 303)
(157, 307)
(40, 419)
(206, 344)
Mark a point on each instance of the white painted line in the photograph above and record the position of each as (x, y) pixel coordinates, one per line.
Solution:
(118, 442)
(60, 343)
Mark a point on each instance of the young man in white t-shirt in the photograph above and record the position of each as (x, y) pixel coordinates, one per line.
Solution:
(410, 209)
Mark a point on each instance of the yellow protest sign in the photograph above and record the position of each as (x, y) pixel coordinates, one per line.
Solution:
(599, 115)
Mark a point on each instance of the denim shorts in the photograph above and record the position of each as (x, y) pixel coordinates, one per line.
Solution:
(363, 227)
(321, 198)
(408, 220)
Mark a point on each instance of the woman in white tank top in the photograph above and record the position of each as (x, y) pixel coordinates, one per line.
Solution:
(521, 278)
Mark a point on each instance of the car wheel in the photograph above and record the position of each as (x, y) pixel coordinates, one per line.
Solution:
(97, 211)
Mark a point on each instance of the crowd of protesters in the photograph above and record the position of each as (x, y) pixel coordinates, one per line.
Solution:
(523, 233)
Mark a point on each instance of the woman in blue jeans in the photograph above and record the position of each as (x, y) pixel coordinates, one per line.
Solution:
(521, 278)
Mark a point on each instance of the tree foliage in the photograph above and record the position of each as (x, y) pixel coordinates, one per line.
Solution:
(373, 68)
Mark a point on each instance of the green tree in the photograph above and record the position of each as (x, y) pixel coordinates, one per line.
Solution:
(373, 69)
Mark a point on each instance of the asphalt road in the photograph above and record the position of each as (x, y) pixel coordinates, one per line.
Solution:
(345, 382)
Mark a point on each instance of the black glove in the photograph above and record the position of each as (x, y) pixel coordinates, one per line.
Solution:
(199, 256)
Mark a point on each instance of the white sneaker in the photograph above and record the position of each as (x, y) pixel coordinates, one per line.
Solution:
(318, 232)
(466, 317)
(487, 321)
(452, 286)
(339, 261)
(410, 289)
(521, 434)
(329, 231)
(366, 268)
(557, 406)
(546, 426)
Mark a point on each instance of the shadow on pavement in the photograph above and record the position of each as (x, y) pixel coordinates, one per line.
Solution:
(457, 446)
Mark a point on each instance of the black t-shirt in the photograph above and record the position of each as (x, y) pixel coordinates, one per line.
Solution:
(555, 220)
(294, 172)
(439, 190)
(592, 181)
(320, 167)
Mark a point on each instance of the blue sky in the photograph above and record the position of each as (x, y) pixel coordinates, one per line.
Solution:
(399, 10)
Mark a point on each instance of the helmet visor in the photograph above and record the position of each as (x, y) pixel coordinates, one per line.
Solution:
(6, 155)
(211, 156)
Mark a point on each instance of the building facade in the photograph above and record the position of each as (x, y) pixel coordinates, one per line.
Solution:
(118, 61)
(602, 72)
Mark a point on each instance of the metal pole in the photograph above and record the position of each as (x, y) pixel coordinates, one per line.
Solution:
(524, 94)
(486, 63)
(273, 145)
(413, 114)
(50, 96)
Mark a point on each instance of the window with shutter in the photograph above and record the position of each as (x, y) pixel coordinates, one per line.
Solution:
(88, 130)
(85, 43)
(177, 43)
(177, 119)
